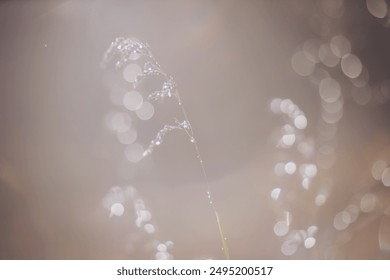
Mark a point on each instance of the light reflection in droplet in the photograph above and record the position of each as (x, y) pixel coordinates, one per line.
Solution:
(115, 195)
(368, 202)
(333, 107)
(351, 66)
(338, 221)
(306, 182)
(286, 105)
(144, 215)
(134, 152)
(378, 8)
(289, 247)
(288, 139)
(353, 212)
(275, 105)
(301, 64)
(327, 57)
(340, 45)
(163, 256)
(287, 217)
(279, 169)
(132, 100)
(377, 169)
(331, 118)
(290, 167)
(118, 121)
(308, 170)
(169, 244)
(318, 75)
(131, 72)
(162, 247)
(149, 228)
(146, 111)
(310, 242)
(312, 230)
(362, 79)
(330, 90)
(300, 122)
(275, 193)
(386, 177)
(281, 228)
(346, 217)
(321, 197)
(117, 209)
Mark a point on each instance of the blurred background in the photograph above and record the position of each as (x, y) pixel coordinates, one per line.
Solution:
(288, 102)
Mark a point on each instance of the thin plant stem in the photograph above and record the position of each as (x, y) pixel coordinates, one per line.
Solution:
(190, 134)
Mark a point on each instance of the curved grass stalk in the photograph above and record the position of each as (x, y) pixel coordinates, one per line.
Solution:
(126, 50)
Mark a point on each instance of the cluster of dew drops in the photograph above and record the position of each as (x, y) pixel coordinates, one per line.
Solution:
(136, 63)
(128, 54)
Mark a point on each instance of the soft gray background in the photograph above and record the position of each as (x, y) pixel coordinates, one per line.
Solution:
(229, 58)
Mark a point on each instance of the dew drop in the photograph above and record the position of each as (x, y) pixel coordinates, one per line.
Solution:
(149, 228)
(310, 242)
(275, 193)
(146, 111)
(127, 137)
(378, 8)
(162, 247)
(290, 168)
(300, 122)
(134, 152)
(132, 100)
(289, 247)
(340, 46)
(281, 228)
(288, 139)
(117, 209)
(339, 221)
(330, 90)
(312, 230)
(131, 72)
(327, 57)
(301, 64)
(351, 66)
